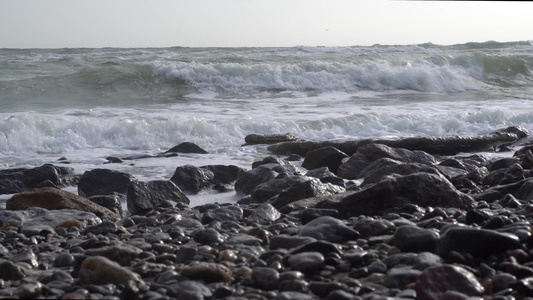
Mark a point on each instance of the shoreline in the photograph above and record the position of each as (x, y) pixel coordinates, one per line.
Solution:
(406, 222)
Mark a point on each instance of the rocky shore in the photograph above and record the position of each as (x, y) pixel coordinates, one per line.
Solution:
(414, 218)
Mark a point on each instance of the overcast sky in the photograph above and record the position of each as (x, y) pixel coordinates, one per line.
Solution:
(258, 23)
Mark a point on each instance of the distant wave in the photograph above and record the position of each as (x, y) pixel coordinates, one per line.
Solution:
(112, 76)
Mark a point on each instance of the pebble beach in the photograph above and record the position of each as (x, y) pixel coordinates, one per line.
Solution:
(382, 222)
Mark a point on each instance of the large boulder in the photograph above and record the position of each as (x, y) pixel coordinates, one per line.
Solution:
(368, 154)
(395, 192)
(144, 196)
(192, 179)
(53, 199)
(104, 182)
(20, 179)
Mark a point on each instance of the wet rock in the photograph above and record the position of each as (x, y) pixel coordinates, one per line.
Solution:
(189, 289)
(368, 226)
(111, 202)
(366, 155)
(10, 271)
(307, 262)
(100, 270)
(302, 188)
(254, 139)
(208, 236)
(29, 290)
(282, 241)
(224, 174)
(64, 260)
(275, 186)
(442, 145)
(222, 214)
(265, 278)
(423, 189)
(192, 179)
(102, 228)
(310, 214)
(386, 166)
(55, 199)
(187, 147)
(26, 256)
(477, 242)
(143, 196)
(435, 281)
(117, 253)
(329, 229)
(288, 295)
(415, 239)
(264, 213)
(208, 272)
(18, 180)
(401, 277)
(104, 182)
(329, 157)
(50, 218)
(426, 259)
(35, 228)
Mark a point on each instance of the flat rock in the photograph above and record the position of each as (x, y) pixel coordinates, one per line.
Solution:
(54, 199)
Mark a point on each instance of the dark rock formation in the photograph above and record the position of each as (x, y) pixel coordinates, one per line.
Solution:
(254, 139)
(192, 179)
(391, 194)
(187, 147)
(143, 196)
(442, 145)
(324, 157)
(104, 182)
(368, 154)
(19, 180)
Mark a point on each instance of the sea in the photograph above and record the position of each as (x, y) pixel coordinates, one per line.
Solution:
(80, 106)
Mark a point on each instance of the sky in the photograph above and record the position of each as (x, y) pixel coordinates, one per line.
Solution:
(258, 23)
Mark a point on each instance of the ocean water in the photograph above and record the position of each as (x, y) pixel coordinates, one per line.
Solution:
(87, 104)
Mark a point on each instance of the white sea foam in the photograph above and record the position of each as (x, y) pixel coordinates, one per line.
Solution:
(87, 104)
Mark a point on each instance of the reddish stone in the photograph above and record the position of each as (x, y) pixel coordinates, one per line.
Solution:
(435, 281)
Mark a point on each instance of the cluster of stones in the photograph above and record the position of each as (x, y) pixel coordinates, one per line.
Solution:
(419, 226)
